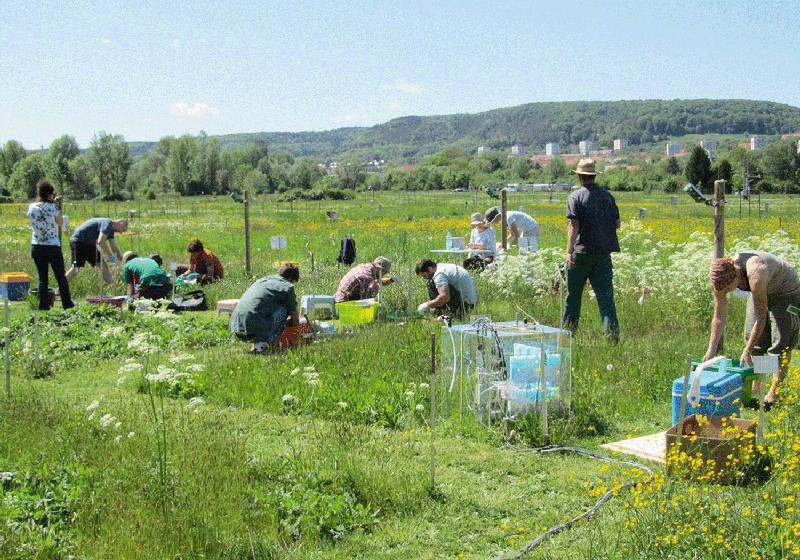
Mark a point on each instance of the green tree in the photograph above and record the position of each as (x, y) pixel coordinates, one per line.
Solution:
(25, 175)
(56, 162)
(782, 161)
(556, 168)
(521, 168)
(724, 170)
(673, 167)
(212, 164)
(81, 174)
(10, 154)
(698, 169)
(110, 158)
(179, 165)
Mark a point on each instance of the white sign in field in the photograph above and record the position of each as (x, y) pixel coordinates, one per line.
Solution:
(278, 242)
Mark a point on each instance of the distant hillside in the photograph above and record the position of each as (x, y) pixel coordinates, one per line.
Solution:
(533, 125)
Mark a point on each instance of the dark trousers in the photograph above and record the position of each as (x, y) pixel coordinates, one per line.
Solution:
(50, 256)
(598, 269)
(161, 291)
(456, 307)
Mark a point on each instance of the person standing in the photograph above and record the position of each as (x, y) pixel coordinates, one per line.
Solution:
(769, 328)
(269, 305)
(450, 288)
(365, 280)
(522, 228)
(591, 238)
(46, 223)
(92, 237)
(144, 274)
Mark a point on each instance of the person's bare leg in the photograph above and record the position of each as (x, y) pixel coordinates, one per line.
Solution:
(72, 273)
(783, 368)
(106, 273)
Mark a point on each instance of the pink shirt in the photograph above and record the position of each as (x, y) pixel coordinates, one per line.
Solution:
(358, 283)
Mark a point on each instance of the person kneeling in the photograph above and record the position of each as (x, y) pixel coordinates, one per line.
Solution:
(267, 306)
(450, 288)
(145, 274)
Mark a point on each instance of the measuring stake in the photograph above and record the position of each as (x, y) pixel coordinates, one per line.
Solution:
(8, 350)
(433, 412)
(36, 336)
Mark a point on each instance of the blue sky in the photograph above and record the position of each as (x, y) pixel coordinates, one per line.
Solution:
(147, 69)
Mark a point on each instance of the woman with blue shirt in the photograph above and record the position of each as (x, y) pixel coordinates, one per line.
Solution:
(46, 225)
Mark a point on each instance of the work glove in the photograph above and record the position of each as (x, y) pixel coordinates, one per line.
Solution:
(111, 259)
(423, 307)
(397, 279)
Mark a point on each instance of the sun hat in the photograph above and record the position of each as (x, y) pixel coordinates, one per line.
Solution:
(476, 219)
(128, 255)
(585, 167)
(492, 213)
(383, 264)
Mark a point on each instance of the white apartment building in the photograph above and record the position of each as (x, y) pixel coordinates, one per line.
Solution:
(620, 144)
(551, 149)
(585, 147)
(673, 149)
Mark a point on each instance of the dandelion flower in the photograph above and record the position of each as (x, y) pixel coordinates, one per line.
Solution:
(610, 367)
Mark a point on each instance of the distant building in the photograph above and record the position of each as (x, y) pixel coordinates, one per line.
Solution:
(798, 146)
(585, 147)
(758, 142)
(551, 149)
(673, 149)
(482, 149)
(710, 146)
(517, 150)
(620, 144)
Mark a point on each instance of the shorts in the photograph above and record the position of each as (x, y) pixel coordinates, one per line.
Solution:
(781, 332)
(83, 253)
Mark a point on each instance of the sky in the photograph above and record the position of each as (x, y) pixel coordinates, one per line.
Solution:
(149, 69)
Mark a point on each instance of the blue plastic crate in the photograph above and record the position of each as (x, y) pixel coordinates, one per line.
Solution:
(14, 291)
(720, 395)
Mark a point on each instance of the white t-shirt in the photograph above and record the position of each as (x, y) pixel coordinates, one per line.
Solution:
(43, 223)
(526, 225)
(453, 275)
(487, 237)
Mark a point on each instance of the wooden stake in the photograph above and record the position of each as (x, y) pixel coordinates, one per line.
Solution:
(8, 350)
(719, 232)
(503, 222)
(246, 235)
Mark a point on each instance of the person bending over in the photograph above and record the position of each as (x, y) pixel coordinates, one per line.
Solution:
(267, 306)
(93, 242)
(770, 328)
(143, 275)
(450, 288)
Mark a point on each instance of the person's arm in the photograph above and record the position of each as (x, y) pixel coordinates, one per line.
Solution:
(129, 290)
(294, 319)
(718, 322)
(442, 299)
(573, 227)
(513, 234)
(758, 277)
(115, 249)
(102, 242)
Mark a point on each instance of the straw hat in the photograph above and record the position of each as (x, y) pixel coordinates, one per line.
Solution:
(585, 167)
(477, 219)
(383, 264)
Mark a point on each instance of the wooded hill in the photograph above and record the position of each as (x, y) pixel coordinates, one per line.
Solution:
(533, 125)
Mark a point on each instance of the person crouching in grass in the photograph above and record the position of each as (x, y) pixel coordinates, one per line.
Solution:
(267, 306)
(144, 274)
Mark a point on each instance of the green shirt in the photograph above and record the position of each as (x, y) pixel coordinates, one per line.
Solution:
(144, 271)
(254, 313)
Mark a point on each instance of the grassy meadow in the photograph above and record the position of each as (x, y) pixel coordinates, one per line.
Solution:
(323, 451)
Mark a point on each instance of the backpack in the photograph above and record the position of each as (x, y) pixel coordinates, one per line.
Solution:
(347, 251)
(190, 301)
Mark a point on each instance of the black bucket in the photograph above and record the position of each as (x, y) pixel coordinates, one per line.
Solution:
(33, 297)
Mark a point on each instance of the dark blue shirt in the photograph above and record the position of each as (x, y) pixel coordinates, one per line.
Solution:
(88, 232)
(597, 215)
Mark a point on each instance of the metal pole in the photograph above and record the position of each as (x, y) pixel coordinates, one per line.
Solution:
(719, 232)
(503, 222)
(8, 349)
(246, 235)
(433, 412)
(36, 333)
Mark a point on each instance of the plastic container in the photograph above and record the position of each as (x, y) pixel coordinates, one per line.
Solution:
(293, 336)
(733, 366)
(720, 395)
(14, 286)
(33, 297)
(114, 301)
(359, 312)
(448, 241)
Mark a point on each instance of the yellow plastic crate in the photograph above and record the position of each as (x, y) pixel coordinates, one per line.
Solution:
(356, 312)
(10, 277)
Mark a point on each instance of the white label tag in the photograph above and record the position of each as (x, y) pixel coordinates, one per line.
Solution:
(764, 365)
(278, 242)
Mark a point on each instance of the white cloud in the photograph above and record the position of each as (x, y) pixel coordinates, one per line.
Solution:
(350, 118)
(198, 109)
(105, 40)
(404, 86)
(394, 106)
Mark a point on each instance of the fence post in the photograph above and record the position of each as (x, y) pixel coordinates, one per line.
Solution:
(7, 349)
(503, 221)
(246, 235)
(433, 412)
(719, 232)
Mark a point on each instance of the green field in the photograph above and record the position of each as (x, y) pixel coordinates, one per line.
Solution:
(242, 458)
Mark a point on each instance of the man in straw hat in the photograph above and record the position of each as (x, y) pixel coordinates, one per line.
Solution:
(365, 280)
(592, 237)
